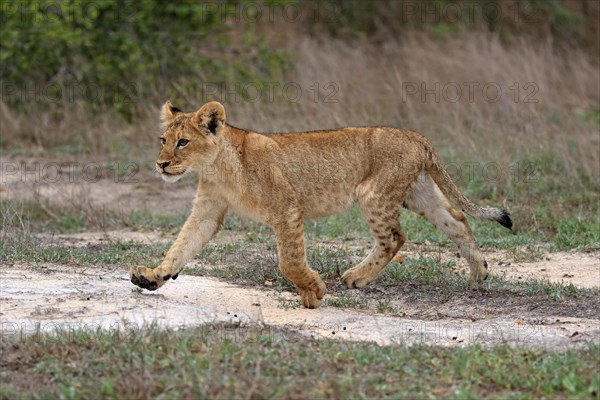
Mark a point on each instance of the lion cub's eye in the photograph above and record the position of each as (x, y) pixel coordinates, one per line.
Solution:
(182, 142)
(163, 141)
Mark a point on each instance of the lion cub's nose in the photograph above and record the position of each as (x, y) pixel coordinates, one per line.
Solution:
(163, 165)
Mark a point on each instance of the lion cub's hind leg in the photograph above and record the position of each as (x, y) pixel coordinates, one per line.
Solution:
(383, 220)
(428, 201)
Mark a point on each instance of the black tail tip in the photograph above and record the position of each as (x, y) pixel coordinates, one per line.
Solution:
(505, 220)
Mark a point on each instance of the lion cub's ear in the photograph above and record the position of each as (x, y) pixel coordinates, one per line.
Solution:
(211, 115)
(168, 113)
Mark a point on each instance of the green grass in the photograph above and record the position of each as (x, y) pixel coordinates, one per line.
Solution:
(575, 225)
(439, 277)
(578, 232)
(43, 216)
(30, 249)
(555, 290)
(256, 264)
(347, 225)
(345, 301)
(385, 306)
(232, 361)
(146, 220)
(427, 275)
(424, 270)
(29, 215)
(574, 232)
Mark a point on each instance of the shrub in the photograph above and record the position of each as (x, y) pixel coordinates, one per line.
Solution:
(113, 52)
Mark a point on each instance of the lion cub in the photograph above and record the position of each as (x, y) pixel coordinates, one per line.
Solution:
(284, 179)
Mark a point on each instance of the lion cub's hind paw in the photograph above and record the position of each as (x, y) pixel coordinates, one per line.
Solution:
(474, 281)
(356, 278)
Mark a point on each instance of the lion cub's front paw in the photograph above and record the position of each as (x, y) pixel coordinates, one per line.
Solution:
(146, 278)
(356, 278)
(313, 294)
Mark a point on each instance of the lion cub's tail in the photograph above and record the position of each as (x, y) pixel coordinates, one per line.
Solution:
(440, 176)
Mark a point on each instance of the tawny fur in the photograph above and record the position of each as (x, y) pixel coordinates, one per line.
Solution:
(284, 179)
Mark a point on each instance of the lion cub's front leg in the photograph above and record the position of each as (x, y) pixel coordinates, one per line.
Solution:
(204, 221)
(292, 260)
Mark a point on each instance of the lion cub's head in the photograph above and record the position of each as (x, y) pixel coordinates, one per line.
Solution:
(189, 140)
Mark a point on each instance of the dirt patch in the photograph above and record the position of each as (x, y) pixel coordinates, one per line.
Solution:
(50, 296)
(579, 269)
(567, 267)
(94, 184)
(55, 295)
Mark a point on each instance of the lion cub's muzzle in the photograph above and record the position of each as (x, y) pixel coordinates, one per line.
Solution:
(170, 172)
(161, 165)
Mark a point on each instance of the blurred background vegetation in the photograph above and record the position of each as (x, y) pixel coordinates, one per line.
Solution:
(134, 50)
(87, 78)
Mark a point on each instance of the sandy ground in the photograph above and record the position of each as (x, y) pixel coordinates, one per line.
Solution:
(579, 269)
(50, 296)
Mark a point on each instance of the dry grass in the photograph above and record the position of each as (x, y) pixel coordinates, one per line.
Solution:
(371, 86)
(546, 150)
